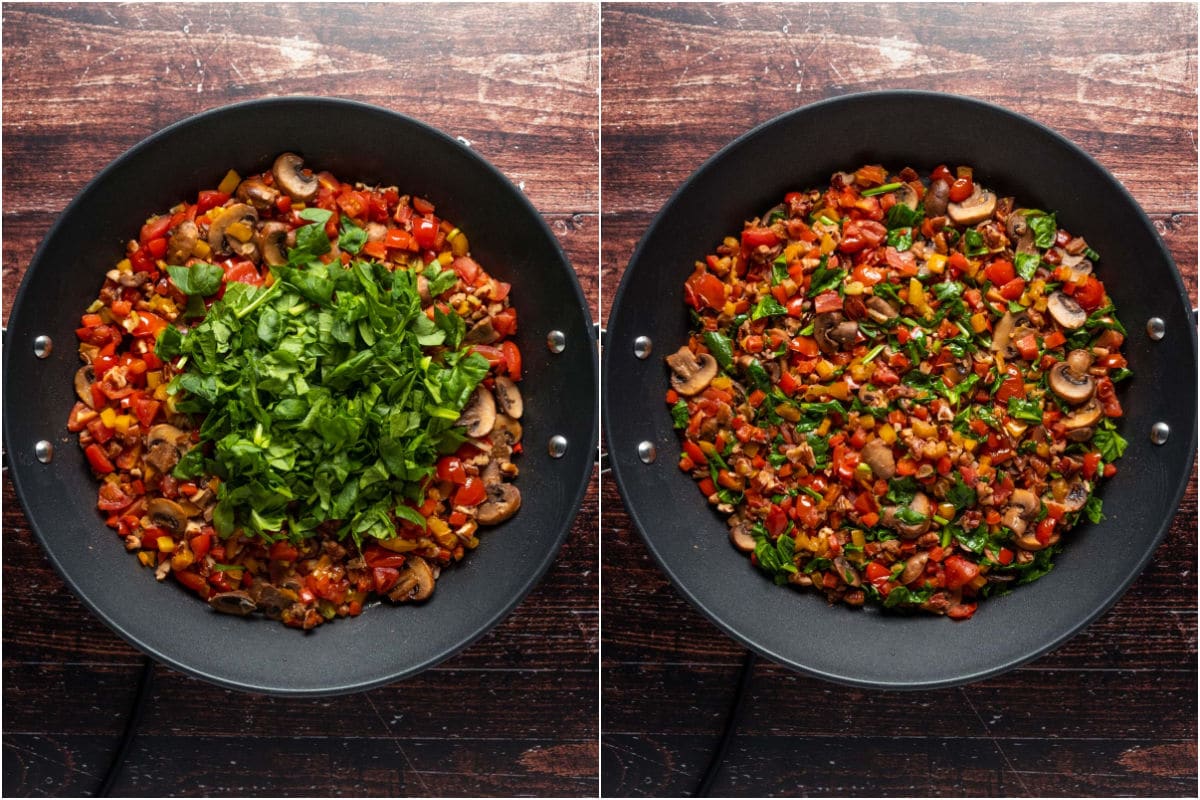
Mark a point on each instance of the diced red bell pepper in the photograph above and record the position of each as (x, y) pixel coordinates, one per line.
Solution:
(97, 458)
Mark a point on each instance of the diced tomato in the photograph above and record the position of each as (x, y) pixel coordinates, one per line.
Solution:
(283, 550)
(375, 250)
(1012, 386)
(1091, 461)
(1107, 395)
(193, 581)
(98, 460)
(145, 409)
(471, 493)
(861, 233)
(200, 544)
(1045, 530)
(384, 578)
(353, 204)
(450, 468)
(1013, 289)
(961, 189)
(154, 229)
(422, 206)
(425, 232)
(244, 272)
(776, 521)
(961, 610)
(505, 322)
(210, 199)
(148, 324)
(512, 356)
(867, 275)
(756, 237)
(1027, 345)
(112, 498)
(827, 301)
(379, 557)
(959, 572)
(467, 269)
(1089, 294)
(704, 289)
(999, 272)
(399, 239)
(1056, 339)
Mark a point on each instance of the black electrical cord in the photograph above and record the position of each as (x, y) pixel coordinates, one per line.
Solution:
(116, 766)
(731, 723)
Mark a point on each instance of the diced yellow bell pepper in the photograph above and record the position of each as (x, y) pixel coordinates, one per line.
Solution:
(936, 263)
(398, 545)
(887, 433)
(109, 417)
(858, 537)
(125, 265)
(979, 322)
(445, 258)
(827, 245)
(825, 369)
(240, 231)
(165, 544)
(722, 382)
(201, 250)
(147, 558)
(916, 296)
(123, 423)
(946, 510)
(229, 183)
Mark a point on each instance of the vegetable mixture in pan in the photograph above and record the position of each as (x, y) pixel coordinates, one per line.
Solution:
(901, 390)
(299, 394)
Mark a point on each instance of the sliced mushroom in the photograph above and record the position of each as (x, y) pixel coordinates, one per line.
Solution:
(937, 198)
(270, 599)
(1019, 232)
(1066, 311)
(167, 514)
(416, 581)
(182, 242)
(1072, 386)
(1029, 541)
(255, 192)
(740, 537)
(877, 454)
(880, 310)
(164, 446)
(1003, 332)
(508, 397)
(503, 500)
(238, 602)
(1077, 496)
(914, 567)
(691, 374)
(505, 433)
(1083, 417)
(290, 177)
(833, 331)
(847, 572)
(479, 415)
(907, 195)
(376, 231)
(223, 244)
(481, 332)
(975, 209)
(909, 530)
(272, 239)
(1080, 434)
(84, 377)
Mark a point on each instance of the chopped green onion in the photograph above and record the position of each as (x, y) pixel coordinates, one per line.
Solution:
(876, 350)
(887, 187)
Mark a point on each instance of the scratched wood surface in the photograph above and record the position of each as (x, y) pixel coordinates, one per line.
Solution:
(1111, 713)
(513, 714)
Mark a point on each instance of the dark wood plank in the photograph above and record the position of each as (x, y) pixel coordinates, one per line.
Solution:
(680, 81)
(516, 713)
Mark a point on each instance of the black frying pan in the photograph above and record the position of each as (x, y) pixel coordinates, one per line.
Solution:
(355, 142)
(1014, 156)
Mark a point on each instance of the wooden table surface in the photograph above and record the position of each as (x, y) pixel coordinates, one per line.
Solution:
(1111, 712)
(513, 714)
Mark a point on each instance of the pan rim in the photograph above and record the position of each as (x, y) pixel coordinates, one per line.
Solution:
(642, 525)
(13, 334)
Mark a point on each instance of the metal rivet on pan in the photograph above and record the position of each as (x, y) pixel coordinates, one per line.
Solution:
(1160, 432)
(1156, 328)
(642, 347)
(558, 446)
(42, 346)
(647, 453)
(556, 341)
(43, 451)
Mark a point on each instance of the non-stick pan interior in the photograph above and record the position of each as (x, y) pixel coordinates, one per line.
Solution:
(1013, 156)
(355, 142)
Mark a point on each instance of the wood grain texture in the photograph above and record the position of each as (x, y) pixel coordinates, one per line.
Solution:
(516, 713)
(1111, 712)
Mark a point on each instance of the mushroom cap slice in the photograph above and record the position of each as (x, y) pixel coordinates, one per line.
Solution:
(272, 239)
(877, 454)
(1074, 387)
(182, 242)
(237, 602)
(1083, 417)
(508, 397)
(505, 433)
(416, 581)
(880, 309)
(221, 243)
(937, 198)
(1026, 501)
(914, 567)
(975, 209)
(167, 514)
(84, 377)
(1077, 496)
(255, 192)
(741, 539)
(288, 170)
(481, 332)
(1029, 541)
(1066, 311)
(503, 500)
(479, 415)
(691, 374)
(833, 331)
